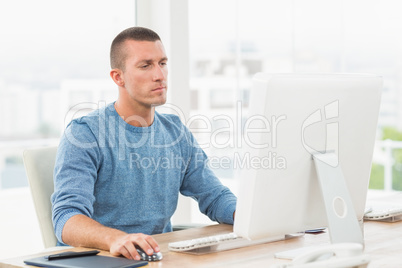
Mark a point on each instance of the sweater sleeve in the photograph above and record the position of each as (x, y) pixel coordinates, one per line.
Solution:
(75, 172)
(214, 199)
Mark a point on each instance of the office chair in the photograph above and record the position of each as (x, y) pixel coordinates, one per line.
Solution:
(39, 165)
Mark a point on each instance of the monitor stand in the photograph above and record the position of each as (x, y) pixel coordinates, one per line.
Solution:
(343, 224)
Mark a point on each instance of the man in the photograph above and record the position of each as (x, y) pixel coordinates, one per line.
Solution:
(119, 170)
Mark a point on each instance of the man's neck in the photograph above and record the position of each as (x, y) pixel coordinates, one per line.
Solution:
(137, 116)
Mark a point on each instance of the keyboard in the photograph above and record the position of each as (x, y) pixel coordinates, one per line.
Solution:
(217, 243)
(383, 211)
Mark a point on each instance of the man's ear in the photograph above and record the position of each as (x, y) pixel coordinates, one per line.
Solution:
(117, 76)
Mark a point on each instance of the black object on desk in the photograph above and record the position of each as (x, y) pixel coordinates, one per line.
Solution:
(85, 259)
(71, 254)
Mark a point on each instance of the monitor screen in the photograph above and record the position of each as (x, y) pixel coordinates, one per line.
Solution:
(291, 118)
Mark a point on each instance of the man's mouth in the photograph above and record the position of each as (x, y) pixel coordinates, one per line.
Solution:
(161, 88)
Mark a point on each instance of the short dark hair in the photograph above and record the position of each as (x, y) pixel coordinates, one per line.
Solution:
(117, 52)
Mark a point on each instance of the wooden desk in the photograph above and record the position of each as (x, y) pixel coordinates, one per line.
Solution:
(383, 243)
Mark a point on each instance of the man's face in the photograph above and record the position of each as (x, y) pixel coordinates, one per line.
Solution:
(145, 74)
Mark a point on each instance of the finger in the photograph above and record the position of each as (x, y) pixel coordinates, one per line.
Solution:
(130, 248)
(123, 251)
(146, 243)
(153, 243)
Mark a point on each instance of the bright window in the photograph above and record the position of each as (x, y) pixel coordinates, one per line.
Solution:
(232, 40)
(53, 55)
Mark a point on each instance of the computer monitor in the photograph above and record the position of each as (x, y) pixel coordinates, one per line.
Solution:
(301, 125)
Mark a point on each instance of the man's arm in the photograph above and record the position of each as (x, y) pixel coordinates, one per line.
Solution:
(214, 199)
(81, 230)
(76, 168)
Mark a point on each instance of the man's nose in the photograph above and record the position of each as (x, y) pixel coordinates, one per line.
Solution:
(160, 73)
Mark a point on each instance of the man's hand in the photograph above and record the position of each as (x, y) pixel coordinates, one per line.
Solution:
(82, 231)
(125, 245)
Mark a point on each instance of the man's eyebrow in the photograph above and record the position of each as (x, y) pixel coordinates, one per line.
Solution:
(145, 61)
(148, 61)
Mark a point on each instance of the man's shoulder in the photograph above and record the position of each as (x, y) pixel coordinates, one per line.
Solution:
(85, 131)
(171, 124)
(169, 119)
(93, 118)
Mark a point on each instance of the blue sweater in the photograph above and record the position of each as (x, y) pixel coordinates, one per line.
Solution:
(129, 178)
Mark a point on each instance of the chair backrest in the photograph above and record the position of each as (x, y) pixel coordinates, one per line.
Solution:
(39, 165)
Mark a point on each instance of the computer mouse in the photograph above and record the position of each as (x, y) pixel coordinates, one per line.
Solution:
(156, 256)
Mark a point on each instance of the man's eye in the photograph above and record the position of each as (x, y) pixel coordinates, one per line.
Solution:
(144, 66)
